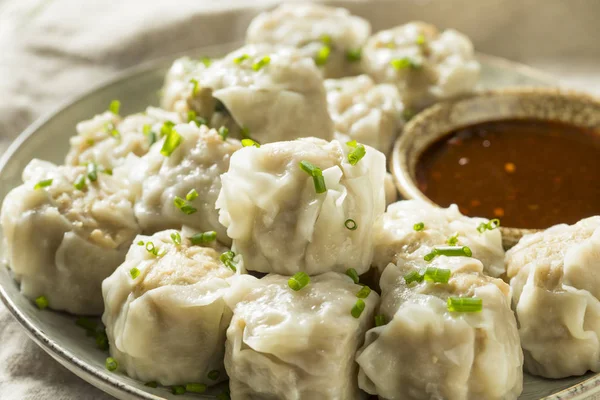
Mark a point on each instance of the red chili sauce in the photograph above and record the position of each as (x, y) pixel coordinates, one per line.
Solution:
(529, 173)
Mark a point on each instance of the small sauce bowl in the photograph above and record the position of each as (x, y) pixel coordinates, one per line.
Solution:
(542, 104)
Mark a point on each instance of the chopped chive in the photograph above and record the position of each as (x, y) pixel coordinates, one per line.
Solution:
(224, 132)
(92, 171)
(364, 292)
(419, 226)
(43, 184)
(227, 259)
(204, 237)
(172, 141)
(465, 304)
(430, 256)
(413, 276)
(437, 275)
(176, 238)
(107, 171)
(114, 107)
(195, 387)
(206, 61)
(408, 114)
(41, 302)
(134, 272)
(354, 55)
(140, 243)
(194, 83)
(404, 63)
(193, 117)
(350, 224)
(166, 128)
(421, 40)
(80, 182)
(192, 195)
(90, 142)
(356, 154)
(101, 340)
(245, 132)
(351, 272)
(152, 249)
(214, 375)
(449, 251)
(319, 182)
(178, 389)
(298, 281)
(152, 384)
(325, 39)
(317, 175)
(188, 210)
(250, 142)
(452, 240)
(358, 308)
(352, 143)
(380, 320)
(150, 134)
(240, 59)
(111, 364)
(179, 202)
(322, 55)
(489, 226)
(261, 63)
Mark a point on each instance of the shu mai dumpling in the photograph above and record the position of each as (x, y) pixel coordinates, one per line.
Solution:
(282, 219)
(426, 65)
(107, 139)
(289, 345)
(65, 230)
(263, 92)
(363, 111)
(330, 36)
(165, 312)
(178, 181)
(422, 350)
(555, 280)
(397, 240)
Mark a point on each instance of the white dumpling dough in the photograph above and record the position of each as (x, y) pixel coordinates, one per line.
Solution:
(62, 242)
(443, 67)
(427, 352)
(555, 280)
(177, 88)
(196, 163)
(278, 222)
(291, 345)
(396, 240)
(107, 139)
(168, 324)
(310, 27)
(363, 111)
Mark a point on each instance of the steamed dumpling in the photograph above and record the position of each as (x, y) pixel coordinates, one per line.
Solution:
(331, 36)
(60, 241)
(107, 139)
(289, 345)
(556, 295)
(165, 315)
(280, 224)
(262, 92)
(397, 241)
(426, 351)
(426, 65)
(195, 164)
(178, 84)
(363, 111)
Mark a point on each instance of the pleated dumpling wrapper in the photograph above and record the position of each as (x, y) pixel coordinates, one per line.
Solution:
(331, 36)
(364, 111)
(178, 181)
(288, 345)
(400, 238)
(555, 278)
(262, 92)
(107, 139)
(426, 65)
(165, 312)
(179, 83)
(65, 230)
(303, 206)
(455, 341)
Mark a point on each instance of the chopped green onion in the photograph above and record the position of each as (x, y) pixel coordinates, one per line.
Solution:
(261, 63)
(408, 114)
(107, 171)
(214, 375)
(419, 226)
(150, 134)
(298, 281)
(90, 142)
(491, 225)
(437, 275)
(245, 132)
(178, 389)
(188, 210)
(183, 206)
(227, 259)
(404, 63)
(421, 40)
(111, 364)
(354, 55)
(41, 302)
(358, 308)
(465, 304)
(172, 141)
(350, 224)
(195, 387)
(317, 175)
(176, 238)
(357, 154)
(351, 272)
(224, 132)
(43, 184)
(134, 272)
(364, 292)
(203, 237)
(193, 117)
(449, 251)
(114, 107)
(206, 61)
(452, 240)
(192, 195)
(352, 143)
(92, 171)
(152, 249)
(322, 56)
(380, 320)
(194, 83)
(101, 340)
(80, 182)
(325, 39)
(152, 384)
(166, 128)
(413, 276)
(240, 59)
(250, 142)
(112, 130)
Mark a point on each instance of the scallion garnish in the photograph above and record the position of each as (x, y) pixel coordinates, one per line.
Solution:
(364, 292)
(449, 251)
(172, 141)
(357, 153)
(404, 63)
(150, 134)
(298, 281)
(134, 272)
(203, 237)
(437, 275)
(183, 206)
(419, 226)
(352, 143)
(178, 389)
(413, 276)
(227, 259)
(206, 61)
(325, 39)
(223, 396)
(322, 55)
(114, 107)
(176, 238)
(101, 340)
(465, 304)
(261, 63)
(140, 243)
(192, 195)
(351, 272)
(245, 132)
(452, 240)
(214, 375)
(43, 184)
(421, 40)
(41, 302)
(240, 59)
(358, 308)
(350, 224)
(380, 320)
(194, 83)
(166, 128)
(152, 249)
(250, 142)
(80, 182)
(408, 114)
(107, 171)
(354, 55)
(92, 171)
(111, 364)
(224, 132)
(112, 130)
(193, 117)
(152, 384)
(195, 387)
(491, 225)
(316, 174)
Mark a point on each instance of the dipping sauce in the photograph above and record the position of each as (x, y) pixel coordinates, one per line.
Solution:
(528, 173)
